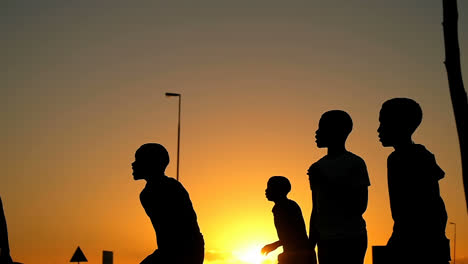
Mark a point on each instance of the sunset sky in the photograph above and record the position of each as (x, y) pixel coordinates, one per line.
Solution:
(83, 83)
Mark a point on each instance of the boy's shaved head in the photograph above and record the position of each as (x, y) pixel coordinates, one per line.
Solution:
(280, 184)
(399, 118)
(155, 153)
(278, 188)
(339, 120)
(334, 128)
(403, 111)
(150, 159)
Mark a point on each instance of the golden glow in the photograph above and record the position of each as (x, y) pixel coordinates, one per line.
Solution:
(85, 88)
(251, 254)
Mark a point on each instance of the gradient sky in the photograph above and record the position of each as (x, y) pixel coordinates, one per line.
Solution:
(83, 85)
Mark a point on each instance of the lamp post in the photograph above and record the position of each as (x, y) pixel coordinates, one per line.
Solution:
(454, 241)
(178, 129)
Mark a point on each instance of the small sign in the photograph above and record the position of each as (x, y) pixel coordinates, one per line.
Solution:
(78, 256)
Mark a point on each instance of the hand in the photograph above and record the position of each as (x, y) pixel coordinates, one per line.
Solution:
(269, 248)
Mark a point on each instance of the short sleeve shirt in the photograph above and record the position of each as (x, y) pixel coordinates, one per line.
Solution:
(170, 210)
(290, 226)
(336, 183)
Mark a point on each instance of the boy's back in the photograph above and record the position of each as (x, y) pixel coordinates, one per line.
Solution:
(417, 208)
(413, 176)
(290, 226)
(171, 212)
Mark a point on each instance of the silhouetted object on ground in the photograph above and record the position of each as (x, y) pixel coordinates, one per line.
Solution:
(107, 257)
(169, 208)
(289, 225)
(339, 182)
(4, 245)
(380, 255)
(78, 256)
(418, 211)
(455, 80)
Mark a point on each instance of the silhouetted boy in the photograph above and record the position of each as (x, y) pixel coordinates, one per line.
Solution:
(418, 211)
(169, 208)
(5, 257)
(339, 183)
(289, 225)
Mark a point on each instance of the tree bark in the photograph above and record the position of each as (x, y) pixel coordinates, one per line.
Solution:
(455, 81)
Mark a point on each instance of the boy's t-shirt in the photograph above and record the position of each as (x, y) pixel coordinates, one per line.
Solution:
(339, 189)
(415, 201)
(170, 210)
(290, 226)
(417, 208)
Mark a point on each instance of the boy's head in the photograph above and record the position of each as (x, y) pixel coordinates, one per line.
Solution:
(399, 118)
(150, 159)
(334, 128)
(278, 188)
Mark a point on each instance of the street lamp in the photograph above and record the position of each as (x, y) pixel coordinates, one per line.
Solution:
(454, 241)
(178, 129)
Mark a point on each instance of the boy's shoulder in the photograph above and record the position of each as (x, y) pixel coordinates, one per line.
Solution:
(348, 168)
(287, 205)
(414, 152)
(347, 157)
(354, 158)
(415, 159)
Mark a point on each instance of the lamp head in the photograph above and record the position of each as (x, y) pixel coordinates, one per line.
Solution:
(172, 94)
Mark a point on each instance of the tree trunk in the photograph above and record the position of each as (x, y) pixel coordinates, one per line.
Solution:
(455, 80)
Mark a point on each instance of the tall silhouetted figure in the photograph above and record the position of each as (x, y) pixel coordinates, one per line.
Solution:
(339, 183)
(418, 211)
(289, 225)
(169, 208)
(4, 245)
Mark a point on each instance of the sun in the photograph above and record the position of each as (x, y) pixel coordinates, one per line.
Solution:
(250, 255)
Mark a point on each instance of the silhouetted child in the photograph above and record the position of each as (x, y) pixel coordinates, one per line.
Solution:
(339, 183)
(5, 257)
(289, 225)
(418, 211)
(169, 208)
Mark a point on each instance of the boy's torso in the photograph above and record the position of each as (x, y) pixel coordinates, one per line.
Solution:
(290, 225)
(333, 181)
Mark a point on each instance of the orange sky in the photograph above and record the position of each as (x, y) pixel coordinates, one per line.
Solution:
(84, 88)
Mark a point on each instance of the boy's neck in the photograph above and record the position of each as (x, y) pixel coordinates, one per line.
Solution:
(336, 150)
(403, 144)
(155, 177)
(279, 200)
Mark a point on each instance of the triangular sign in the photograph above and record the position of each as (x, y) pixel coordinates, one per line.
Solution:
(78, 256)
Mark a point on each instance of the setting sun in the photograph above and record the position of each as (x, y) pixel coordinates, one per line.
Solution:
(251, 255)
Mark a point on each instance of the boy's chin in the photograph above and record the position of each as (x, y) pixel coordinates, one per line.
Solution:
(321, 145)
(137, 177)
(386, 144)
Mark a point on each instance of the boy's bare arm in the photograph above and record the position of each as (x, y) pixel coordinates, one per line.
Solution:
(313, 233)
(362, 199)
(271, 247)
